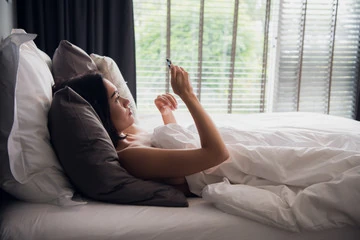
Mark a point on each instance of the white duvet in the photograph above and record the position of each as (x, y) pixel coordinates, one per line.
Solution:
(299, 173)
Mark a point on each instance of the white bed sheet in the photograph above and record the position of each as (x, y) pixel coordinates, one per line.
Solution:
(201, 220)
(94, 221)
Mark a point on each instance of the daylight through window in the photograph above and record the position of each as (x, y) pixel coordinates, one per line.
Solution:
(247, 56)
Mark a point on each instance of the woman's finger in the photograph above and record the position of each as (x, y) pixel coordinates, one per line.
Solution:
(166, 100)
(173, 72)
(172, 99)
(160, 100)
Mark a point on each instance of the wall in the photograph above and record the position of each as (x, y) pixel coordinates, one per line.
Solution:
(7, 17)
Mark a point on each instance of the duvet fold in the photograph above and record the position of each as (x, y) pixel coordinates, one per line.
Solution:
(292, 178)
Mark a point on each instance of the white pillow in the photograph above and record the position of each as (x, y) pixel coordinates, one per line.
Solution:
(110, 70)
(35, 173)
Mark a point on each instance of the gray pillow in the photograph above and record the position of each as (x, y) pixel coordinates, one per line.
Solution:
(91, 162)
(70, 61)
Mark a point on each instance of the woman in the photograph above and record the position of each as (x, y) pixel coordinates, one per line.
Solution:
(280, 176)
(168, 165)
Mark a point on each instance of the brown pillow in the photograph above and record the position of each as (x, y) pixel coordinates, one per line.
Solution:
(90, 160)
(70, 61)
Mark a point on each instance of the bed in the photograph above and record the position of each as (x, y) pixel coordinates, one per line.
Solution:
(34, 212)
(21, 220)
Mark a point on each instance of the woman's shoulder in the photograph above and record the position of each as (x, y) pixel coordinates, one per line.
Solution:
(141, 139)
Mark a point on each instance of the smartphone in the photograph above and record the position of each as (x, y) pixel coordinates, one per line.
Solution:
(168, 62)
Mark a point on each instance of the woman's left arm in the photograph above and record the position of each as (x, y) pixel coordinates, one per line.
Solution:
(166, 104)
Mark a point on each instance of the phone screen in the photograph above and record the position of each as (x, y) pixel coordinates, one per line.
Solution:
(168, 62)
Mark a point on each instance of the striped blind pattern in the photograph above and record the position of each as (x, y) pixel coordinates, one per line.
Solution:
(318, 56)
(247, 56)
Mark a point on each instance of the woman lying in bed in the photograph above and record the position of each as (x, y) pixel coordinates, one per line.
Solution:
(285, 176)
(168, 165)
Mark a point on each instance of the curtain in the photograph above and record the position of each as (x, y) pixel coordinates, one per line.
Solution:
(104, 27)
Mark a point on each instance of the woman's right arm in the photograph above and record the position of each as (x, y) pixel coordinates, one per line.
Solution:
(209, 135)
(152, 163)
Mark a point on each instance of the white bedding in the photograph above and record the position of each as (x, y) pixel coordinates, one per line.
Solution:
(300, 174)
(95, 220)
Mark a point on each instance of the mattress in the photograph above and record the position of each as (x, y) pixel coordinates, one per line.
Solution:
(21, 220)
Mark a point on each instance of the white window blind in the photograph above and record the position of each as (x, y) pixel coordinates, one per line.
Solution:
(246, 56)
(318, 56)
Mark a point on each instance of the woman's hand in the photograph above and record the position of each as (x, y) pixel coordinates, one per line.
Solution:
(166, 103)
(180, 82)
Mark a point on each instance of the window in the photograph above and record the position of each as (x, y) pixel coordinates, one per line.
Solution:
(247, 56)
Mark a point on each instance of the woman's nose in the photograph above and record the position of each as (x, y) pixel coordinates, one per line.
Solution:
(126, 102)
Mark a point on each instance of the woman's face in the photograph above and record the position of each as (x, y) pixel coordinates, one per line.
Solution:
(120, 112)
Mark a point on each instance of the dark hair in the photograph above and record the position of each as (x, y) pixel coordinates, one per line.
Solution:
(91, 87)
